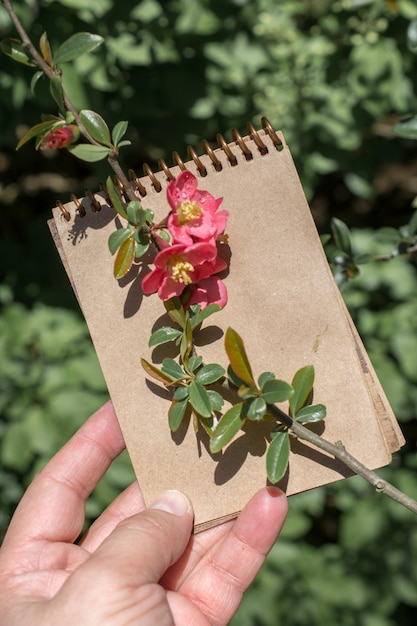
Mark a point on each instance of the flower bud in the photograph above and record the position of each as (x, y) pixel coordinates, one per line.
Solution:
(60, 137)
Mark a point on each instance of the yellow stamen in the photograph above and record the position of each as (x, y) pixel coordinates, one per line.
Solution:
(188, 210)
(223, 238)
(180, 270)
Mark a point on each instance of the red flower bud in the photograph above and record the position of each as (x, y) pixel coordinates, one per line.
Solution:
(60, 137)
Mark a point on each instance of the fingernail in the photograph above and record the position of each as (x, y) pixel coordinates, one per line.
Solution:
(172, 501)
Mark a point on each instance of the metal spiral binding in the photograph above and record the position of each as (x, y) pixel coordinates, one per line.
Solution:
(65, 213)
(178, 161)
(201, 168)
(78, 204)
(209, 151)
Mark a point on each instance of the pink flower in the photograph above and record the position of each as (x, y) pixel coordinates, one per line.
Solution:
(211, 290)
(194, 216)
(60, 137)
(180, 265)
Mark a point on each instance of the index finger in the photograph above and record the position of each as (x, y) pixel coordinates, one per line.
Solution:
(52, 508)
(216, 580)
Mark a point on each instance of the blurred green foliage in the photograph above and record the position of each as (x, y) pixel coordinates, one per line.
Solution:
(50, 380)
(335, 76)
(325, 71)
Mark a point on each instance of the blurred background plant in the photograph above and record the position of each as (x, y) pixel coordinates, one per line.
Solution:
(336, 76)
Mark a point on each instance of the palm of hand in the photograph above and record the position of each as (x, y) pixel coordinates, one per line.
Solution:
(123, 572)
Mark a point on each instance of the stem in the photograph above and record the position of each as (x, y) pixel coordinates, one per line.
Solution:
(115, 165)
(388, 257)
(339, 452)
(27, 44)
(50, 72)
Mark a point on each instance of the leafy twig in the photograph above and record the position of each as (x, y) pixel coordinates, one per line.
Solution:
(340, 453)
(50, 73)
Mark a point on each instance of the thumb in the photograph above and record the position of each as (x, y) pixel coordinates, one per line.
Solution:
(128, 564)
(121, 576)
(143, 546)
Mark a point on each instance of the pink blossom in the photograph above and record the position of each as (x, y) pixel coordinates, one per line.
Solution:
(194, 216)
(211, 290)
(60, 137)
(180, 265)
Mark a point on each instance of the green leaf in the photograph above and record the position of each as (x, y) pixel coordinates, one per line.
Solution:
(135, 213)
(119, 132)
(141, 249)
(216, 399)
(39, 129)
(256, 409)
(199, 399)
(118, 237)
(276, 391)
(125, 142)
(362, 259)
(412, 36)
(407, 128)
(412, 224)
(45, 49)
(237, 356)
(164, 335)
(194, 362)
(76, 45)
(310, 414)
(277, 456)
(181, 392)
(35, 78)
(341, 236)
(88, 152)
(264, 377)
(55, 86)
(226, 429)
(124, 258)
(13, 48)
(186, 344)
(141, 236)
(173, 369)
(235, 380)
(388, 234)
(96, 126)
(156, 373)
(210, 373)
(176, 413)
(175, 311)
(149, 215)
(200, 316)
(302, 384)
(164, 234)
(115, 198)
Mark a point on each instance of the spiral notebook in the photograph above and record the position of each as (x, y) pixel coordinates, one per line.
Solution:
(282, 300)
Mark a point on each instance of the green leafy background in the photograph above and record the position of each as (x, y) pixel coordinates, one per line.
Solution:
(335, 76)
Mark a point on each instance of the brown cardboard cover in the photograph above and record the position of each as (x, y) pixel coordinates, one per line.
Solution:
(284, 303)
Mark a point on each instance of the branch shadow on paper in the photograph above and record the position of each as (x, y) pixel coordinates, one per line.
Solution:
(87, 217)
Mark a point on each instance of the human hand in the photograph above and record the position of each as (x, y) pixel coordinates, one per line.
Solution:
(133, 566)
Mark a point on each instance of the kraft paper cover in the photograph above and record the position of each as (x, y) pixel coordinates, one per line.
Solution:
(283, 302)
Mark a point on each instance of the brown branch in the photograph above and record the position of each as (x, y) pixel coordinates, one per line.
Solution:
(27, 43)
(128, 186)
(340, 453)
